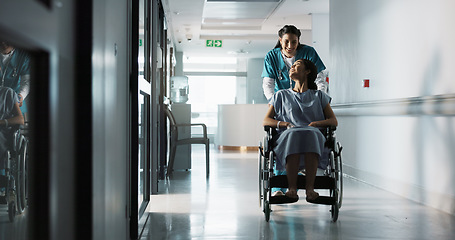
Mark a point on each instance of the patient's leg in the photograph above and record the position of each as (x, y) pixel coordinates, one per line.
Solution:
(311, 166)
(292, 168)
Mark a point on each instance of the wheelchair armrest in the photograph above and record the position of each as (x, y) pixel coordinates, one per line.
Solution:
(271, 131)
(15, 127)
(330, 135)
(331, 130)
(12, 128)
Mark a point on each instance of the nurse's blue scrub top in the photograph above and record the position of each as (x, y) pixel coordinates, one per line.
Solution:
(274, 66)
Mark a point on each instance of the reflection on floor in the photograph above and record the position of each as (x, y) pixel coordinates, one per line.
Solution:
(15, 230)
(227, 207)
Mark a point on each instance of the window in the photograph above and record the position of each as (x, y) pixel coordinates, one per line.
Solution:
(213, 81)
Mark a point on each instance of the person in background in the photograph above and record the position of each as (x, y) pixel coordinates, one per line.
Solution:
(15, 72)
(278, 61)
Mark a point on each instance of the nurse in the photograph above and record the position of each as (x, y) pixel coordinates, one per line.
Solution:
(15, 71)
(279, 60)
(277, 65)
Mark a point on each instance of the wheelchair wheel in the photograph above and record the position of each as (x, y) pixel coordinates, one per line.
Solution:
(11, 211)
(261, 159)
(267, 191)
(339, 174)
(267, 211)
(334, 209)
(334, 192)
(22, 178)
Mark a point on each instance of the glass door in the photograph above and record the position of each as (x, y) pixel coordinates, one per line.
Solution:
(140, 97)
(143, 174)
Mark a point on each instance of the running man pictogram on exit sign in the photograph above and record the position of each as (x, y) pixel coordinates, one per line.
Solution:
(214, 43)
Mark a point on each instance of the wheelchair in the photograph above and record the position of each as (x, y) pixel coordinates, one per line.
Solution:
(14, 177)
(331, 179)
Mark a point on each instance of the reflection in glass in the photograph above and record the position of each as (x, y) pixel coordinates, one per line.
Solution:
(142, 152)
(15, 81)
(141, 58)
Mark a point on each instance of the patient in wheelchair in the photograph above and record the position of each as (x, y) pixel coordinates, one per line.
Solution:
(10, 114)
(298, 113)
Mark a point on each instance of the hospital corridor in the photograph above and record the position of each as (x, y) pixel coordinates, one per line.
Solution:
(227, 207)
(227, 119)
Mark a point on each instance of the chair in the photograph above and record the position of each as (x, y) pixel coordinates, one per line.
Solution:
(175, 141)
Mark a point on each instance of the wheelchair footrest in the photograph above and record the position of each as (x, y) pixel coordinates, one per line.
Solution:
(323, 200)
(282, 200)
(321, 182)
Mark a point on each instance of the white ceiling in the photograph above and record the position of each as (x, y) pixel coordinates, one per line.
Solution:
(248, 28)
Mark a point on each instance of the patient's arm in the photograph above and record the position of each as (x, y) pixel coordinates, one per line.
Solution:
(269, 119)
(330, 118)
(17, 119)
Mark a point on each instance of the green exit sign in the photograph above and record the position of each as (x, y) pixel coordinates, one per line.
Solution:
(214, 43)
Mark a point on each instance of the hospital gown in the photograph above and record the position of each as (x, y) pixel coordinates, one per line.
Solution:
(300, 109)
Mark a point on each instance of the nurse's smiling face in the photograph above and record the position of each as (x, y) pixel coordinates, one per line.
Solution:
(289, 43)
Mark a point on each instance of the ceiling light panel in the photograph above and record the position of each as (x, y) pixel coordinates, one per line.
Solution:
(243, 9)
(243, 0)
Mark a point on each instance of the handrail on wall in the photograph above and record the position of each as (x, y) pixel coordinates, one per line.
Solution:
(425, 105)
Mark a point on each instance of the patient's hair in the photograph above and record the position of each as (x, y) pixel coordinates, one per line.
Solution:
(285, 30)
(309, 65)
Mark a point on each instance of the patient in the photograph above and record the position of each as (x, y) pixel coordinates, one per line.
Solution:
(298, 113)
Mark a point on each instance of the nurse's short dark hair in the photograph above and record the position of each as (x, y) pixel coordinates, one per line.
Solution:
(309, 65)
(285, 30)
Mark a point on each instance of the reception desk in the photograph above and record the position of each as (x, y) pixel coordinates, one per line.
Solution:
(240, 125)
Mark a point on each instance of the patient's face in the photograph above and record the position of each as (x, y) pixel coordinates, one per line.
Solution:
(297, 71)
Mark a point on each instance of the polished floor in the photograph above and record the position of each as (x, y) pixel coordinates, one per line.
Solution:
(227, 207)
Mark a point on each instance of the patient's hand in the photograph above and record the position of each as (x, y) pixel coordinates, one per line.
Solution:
(313, 124)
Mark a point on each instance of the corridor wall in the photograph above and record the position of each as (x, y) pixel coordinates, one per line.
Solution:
(110, 86)
(399, 133)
